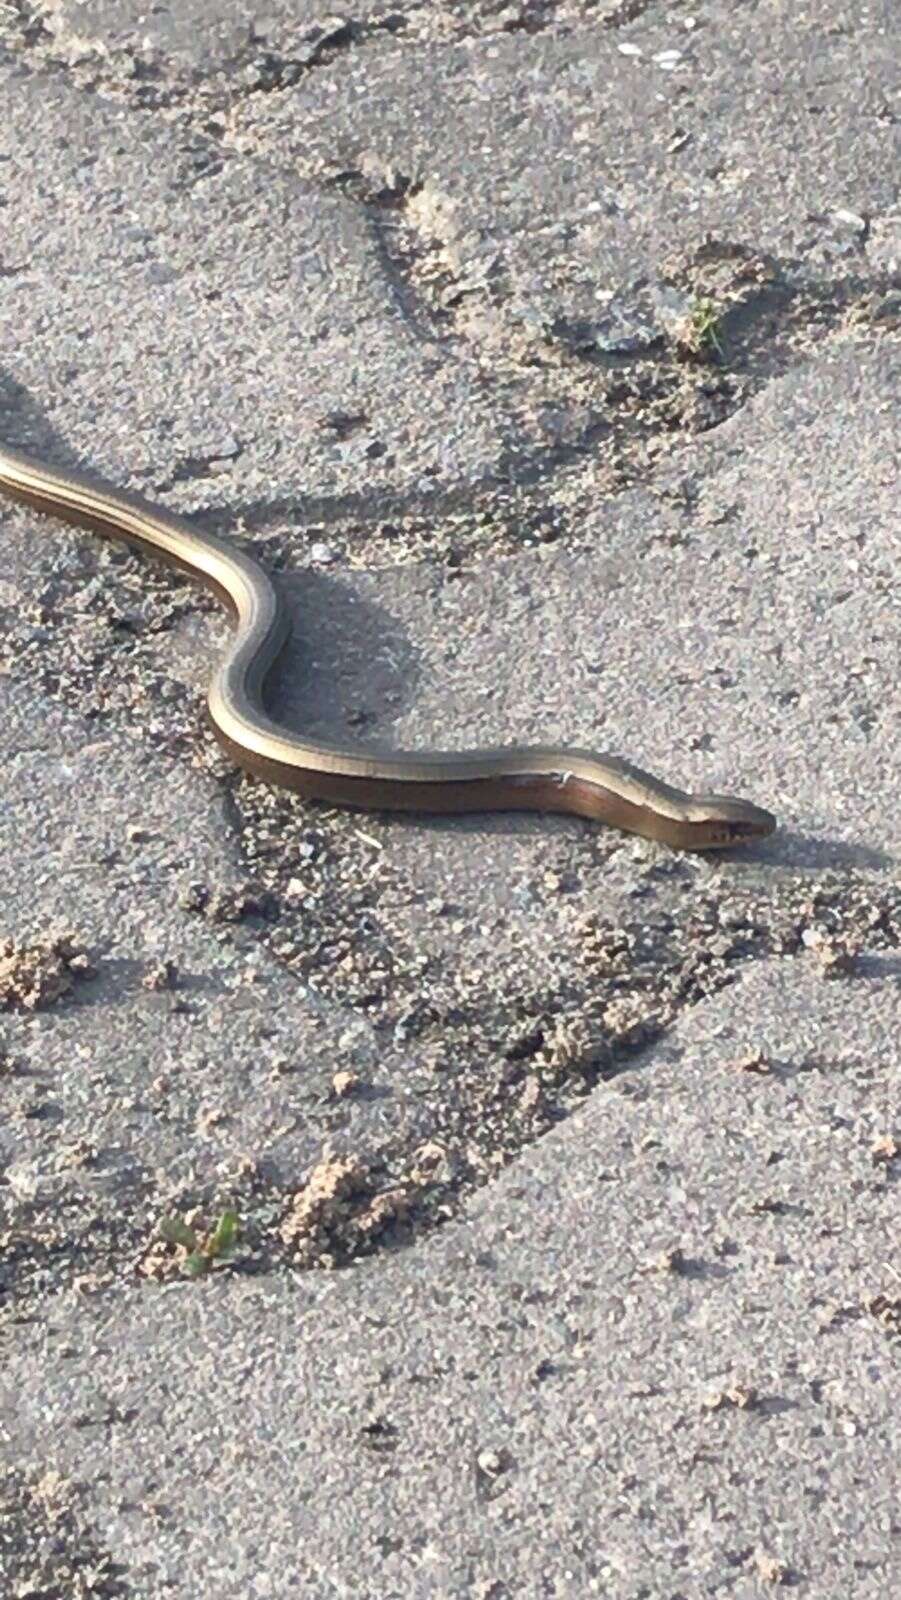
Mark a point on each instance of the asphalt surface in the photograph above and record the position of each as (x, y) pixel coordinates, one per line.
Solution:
(548, 355)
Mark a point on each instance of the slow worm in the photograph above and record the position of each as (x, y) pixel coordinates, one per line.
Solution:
(516, 778)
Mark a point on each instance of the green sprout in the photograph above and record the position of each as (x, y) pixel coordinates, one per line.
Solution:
(704, 330)
(204, 1249)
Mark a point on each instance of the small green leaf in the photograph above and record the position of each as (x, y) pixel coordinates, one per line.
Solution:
(226, 1233)
(174, 1231)
(706, 323)
(196, 1265)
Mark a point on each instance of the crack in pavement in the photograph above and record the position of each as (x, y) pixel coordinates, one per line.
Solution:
(260, 69)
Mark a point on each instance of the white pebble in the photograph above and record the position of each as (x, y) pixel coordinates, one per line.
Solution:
(851, 220)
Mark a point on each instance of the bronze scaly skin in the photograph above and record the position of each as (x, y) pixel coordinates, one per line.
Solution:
(512, 778)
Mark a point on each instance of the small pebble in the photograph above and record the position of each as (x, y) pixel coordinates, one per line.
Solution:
(344, 1084)
(163, 975)
(850, 219)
